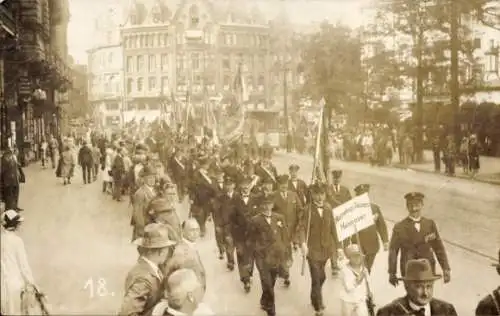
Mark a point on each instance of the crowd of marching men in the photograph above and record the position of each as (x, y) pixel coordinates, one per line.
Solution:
(260, 218)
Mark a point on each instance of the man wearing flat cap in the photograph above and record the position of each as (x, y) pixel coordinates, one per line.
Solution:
(269, 238)
(369, 237)
(143, 285)
(246, 207)
(490, 305)
(418, 279)
(416, 237)
(141, 200)
(297, 185)
(337, 195)
(287, 204)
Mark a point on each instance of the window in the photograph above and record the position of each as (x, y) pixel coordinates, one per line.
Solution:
(137, 41)
(130, 84)
(154, 106)
(194, 17)
(261, 80)
(180, 38)
(164, 62)
(492, 44)
(112, 106)
(141, 106)
(152, 83)
(142, 41)
(226, 63)
(180, 63)
(165, 40)
(164, 84)
(140, 63)
(151, 40)
(227, 80)
(152, 63)
(140, 84)
(109, 36)
(492, 63)
(195, 61)
(130, 64)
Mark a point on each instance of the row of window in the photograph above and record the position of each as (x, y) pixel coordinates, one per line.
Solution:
(163, 39)
(194, 61)
(243, 39)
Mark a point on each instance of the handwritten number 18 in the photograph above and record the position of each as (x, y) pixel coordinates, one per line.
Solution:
(94, 288)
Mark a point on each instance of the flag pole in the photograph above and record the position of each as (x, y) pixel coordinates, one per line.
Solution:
(315, 166)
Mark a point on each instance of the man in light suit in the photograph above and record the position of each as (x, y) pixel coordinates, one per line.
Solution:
(186, 255)
(143, 286)
(142, 198)
(419, 284)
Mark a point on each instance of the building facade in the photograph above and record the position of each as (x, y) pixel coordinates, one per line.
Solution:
(105, 71)
(37, 62)
(172, 47)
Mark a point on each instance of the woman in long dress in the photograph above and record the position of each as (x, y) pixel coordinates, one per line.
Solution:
(16, 271)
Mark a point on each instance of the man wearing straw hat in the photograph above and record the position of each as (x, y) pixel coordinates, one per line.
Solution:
(419, 285)
(490, 305)
(143, 286)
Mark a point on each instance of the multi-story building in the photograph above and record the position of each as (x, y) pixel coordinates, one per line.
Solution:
(163, 60)
(36, 66)
(105, 71)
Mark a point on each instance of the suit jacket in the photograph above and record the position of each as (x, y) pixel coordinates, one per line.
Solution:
(401, 307)
(177, 169)
(300, 188)
(290, 209)
(185, 256)
(270, 241)
(240, 220)
(323, 238)
(265, 172)
(487, 306)
(85, 156)
(202, 190)
(143, 290)
(140, 218)
(10, 171)
(370, 235)
(218, 203)
(336, 198)
(415, 244)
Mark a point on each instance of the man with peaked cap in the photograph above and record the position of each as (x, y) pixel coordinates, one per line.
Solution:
(416, 237)
(337, 195)
(419, 300)
(269, 238)
(238, 228)
(490, 305)
(202, 192)
(297, 185)
(143, 286)
(369, 237)
(287, 204)
(317, 237)
(140, 201)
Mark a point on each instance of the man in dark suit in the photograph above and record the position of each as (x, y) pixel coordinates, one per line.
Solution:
(317, 237)
(178, 172)
(220, 188)
(86, 161)
(288, 205)
(11, 175)
(297, 185)
(265, 169)
(239, 226)
(202, 193)
(269, 240)
(490, 305)
(227, 201)
(416, 237)
(419, 284)
(143, 286)
(337, 195)
(369, 237)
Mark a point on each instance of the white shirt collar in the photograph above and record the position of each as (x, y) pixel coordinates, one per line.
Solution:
(415, 219)
(416, 307)
(189, 243)
(153, 266)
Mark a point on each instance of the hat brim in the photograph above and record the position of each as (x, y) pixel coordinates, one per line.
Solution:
(434, 278)
(496, 265)
(166, 243)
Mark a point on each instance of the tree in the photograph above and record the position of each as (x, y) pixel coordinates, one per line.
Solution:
(332, 67)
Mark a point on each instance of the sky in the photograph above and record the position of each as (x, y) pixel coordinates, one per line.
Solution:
(84, 12)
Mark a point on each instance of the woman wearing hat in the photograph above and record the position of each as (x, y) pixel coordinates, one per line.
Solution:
(16, 271)
(490, 305)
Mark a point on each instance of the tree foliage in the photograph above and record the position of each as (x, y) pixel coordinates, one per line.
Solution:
(332, 65)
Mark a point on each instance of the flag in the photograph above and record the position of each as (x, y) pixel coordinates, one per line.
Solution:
(318, 172)
(236, 113)
(239, 86)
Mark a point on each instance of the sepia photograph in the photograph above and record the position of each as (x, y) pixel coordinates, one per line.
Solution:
(250, 157)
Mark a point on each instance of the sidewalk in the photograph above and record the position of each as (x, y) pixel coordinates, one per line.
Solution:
(488, 173)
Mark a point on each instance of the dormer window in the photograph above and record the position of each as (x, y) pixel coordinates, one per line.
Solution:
(194, 17)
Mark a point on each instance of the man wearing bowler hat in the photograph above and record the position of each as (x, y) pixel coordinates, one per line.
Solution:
(419, 301)
(369, 237)
(162, 210)
(490, 305)
(416, 237)
(140, 201)
(143, 285)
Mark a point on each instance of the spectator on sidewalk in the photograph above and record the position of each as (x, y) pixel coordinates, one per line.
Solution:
(96, 159)
(473, 156)
(66, 165)
(11, 176)
(86, 161)
(450, 155)
(53, 150)
(118, 173)
(44, 151)
(16, 273)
